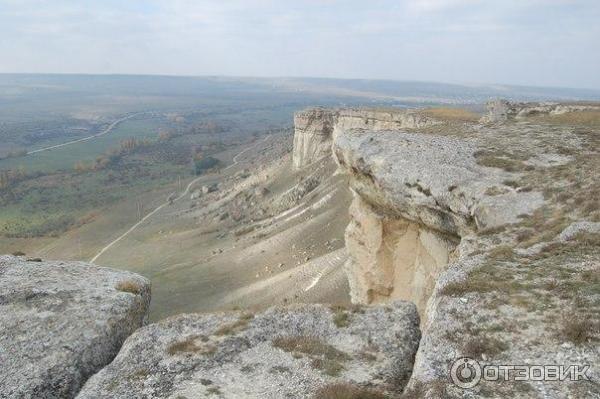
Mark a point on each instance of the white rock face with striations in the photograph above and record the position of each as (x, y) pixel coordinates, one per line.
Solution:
(312, 135)
(60, 322)
(415, 196)
(315, 128)
(284, 352)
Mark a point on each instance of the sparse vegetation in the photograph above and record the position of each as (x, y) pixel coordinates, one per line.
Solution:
(478, 345)
(341, 319)
(502, 160)
(191, 345)
(589, 118)
(451, 114)
(236, 326)
(323, 356)
(578, 330)
(202, 164)
(129, 286)
(348, 391)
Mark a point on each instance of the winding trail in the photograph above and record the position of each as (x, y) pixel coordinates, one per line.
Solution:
(183, 194)
(102, 133)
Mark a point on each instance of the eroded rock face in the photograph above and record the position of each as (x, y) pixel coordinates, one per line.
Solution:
(393, 258)
(60, 322)
(315, 128)
(280, 353)
(312, 135)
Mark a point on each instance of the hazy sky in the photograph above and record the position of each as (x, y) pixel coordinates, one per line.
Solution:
(530, 42)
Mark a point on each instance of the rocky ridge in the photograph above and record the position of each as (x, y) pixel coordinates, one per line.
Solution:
(465, 219)
(314, 128)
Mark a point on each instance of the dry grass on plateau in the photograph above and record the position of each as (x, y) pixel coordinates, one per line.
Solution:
(451, 114)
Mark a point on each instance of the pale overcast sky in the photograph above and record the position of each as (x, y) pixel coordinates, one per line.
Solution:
(527, 42)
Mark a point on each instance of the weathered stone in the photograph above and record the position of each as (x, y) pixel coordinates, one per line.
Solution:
(60, 322)
(316, 127)
(282, 352)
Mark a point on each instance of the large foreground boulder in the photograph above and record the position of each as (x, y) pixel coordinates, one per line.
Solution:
(282, 353)
(60, 322)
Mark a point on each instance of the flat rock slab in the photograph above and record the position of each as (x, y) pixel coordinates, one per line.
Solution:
(288, 352)
(60, 322)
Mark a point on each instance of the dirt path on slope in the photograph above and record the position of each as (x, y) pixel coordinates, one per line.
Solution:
(169, 202)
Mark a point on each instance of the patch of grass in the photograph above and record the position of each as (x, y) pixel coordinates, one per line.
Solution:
(544, 225)
(476, 346)
(578, 330)
(236, 326)
(510, 162)
(341, 319)
(310, 346)
(587, 238)
(451, 114)
(342, 314)
(494, 190)
(129, 286)
(502, 253)
(589, 118)
(490, 276)
(213, 391)
(323, 356)
(348, 391)
(190, 345)
(332, 368)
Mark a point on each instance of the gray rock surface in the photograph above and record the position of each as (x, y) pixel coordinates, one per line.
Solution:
(60, 322)
(579, 227)
(429, 179)
(280, 353)
(315, 128)
(500, 110)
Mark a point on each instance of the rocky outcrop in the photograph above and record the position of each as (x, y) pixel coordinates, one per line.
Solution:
(280, 353)
(312, 135)
(501, 110)
(60, 322)
(483, 227)
(415, 196)
(315, 128)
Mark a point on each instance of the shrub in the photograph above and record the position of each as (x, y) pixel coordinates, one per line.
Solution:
(578, 329)
(204, 163)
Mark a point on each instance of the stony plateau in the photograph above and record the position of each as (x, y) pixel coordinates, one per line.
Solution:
(286, 352)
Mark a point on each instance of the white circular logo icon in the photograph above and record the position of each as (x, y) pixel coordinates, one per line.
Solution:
(465, 372)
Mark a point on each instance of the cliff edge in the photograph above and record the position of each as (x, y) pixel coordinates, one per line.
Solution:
(492, 230)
